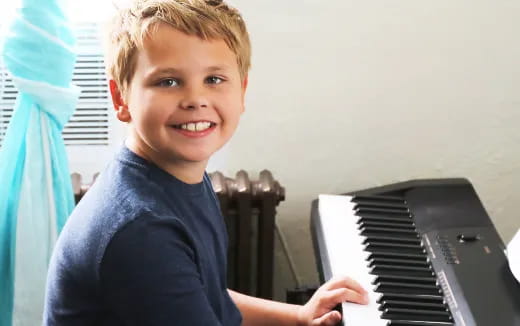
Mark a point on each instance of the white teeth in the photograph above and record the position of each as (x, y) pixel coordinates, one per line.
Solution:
(203, 126)
(198, 126)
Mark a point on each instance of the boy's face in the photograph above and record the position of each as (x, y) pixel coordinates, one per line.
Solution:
(185, 98)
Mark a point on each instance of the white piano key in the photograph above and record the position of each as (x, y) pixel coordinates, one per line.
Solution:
(347, 257)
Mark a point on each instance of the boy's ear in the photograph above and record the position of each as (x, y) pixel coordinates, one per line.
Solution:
(119, 103)
(245, 81)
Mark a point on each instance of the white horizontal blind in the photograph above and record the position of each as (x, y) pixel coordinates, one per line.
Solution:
(7, 99)
(90, 123)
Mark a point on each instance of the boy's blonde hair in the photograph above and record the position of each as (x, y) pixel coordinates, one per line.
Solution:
(206, 19)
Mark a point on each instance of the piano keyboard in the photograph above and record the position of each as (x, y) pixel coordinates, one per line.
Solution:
(373, 240)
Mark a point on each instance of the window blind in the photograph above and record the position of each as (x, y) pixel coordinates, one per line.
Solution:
(90, 123)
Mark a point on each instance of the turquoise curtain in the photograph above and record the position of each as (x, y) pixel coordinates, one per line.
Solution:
(35, 188)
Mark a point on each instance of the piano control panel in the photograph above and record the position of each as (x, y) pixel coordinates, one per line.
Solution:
(468, 237)
(447, 249)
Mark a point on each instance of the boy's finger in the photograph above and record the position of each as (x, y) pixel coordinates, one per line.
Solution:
(331, 318)
(344, 282)
(333, 297)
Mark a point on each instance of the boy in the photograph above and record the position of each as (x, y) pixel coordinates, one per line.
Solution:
(147, 244)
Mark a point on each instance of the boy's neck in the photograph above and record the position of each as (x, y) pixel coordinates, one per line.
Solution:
(187, 172)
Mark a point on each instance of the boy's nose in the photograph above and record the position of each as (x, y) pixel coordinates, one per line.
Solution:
(194, 98)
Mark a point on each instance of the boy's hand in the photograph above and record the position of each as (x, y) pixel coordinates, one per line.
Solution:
(318, 311)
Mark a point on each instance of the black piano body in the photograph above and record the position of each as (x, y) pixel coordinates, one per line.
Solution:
(462, 245)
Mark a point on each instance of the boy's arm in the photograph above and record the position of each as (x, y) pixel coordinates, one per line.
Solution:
(318, 311)
(256, 311)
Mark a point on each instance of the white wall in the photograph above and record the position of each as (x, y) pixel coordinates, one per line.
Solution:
(346, 95)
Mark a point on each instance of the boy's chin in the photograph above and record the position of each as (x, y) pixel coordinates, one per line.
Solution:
(194, 157)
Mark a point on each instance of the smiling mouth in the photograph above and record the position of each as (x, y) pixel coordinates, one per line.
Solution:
(195, 126)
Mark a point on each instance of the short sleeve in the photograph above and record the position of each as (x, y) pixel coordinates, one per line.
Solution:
(149, 276)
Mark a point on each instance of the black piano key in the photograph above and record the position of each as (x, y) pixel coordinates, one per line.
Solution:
(394, 221)
(418, 320)
(409, 240)
(419, 323)
(373, 234)
(362, 211)
(402, 247)
(377, 213)
(402, 267)
(405, 219)
(391, 230)
(376, 271)
(398, 246)
(389, 254)
(406, 226)
(419, 287)
(404, 287)
(426, 298)
(385, 206)
(413, 305)
(367, 230)
(381, 269)
(406, 262)
(404, 290)
(414, 314)
(379, 199)
(397, 231)
(381, 207)
(393, 250)
(413, 279)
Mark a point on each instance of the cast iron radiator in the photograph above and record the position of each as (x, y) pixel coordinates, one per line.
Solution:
(249, 209)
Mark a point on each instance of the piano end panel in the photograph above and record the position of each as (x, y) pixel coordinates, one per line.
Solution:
(447, 207)
(399, 188)
(322, 259)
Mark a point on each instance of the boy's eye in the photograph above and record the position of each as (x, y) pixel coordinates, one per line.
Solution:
(168, 82)
(214, 80)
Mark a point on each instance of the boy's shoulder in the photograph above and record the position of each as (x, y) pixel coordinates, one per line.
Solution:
(125, 191)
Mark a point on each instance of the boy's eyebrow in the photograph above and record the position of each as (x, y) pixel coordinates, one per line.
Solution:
(162, 71)
(175, 71)
(217, 68)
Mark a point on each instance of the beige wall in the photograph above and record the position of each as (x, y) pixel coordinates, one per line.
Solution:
(346, 95)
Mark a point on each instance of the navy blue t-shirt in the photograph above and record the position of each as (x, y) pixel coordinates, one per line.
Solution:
(141, 248)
